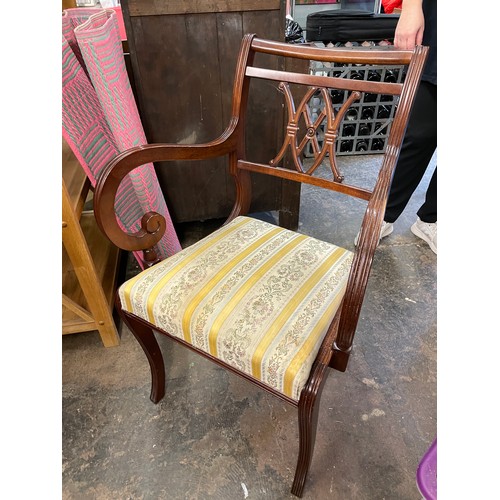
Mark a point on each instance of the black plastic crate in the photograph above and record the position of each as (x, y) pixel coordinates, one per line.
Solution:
(367, 122)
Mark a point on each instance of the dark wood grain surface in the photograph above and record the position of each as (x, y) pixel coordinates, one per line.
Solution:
(183, 57)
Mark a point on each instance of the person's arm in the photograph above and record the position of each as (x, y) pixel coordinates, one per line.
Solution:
(410, 27)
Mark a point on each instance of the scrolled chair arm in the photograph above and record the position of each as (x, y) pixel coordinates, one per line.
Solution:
(153, 225)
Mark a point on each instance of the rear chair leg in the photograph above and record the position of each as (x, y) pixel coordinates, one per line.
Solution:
(149, 344)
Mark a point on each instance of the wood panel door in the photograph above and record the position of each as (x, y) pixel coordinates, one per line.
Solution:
(183, 56)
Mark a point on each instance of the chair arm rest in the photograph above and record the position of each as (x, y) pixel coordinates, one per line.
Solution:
(153, 224)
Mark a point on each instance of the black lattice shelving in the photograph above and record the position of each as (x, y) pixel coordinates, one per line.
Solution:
(367, 123)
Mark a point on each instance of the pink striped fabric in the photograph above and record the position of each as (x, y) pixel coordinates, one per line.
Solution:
(100, 116)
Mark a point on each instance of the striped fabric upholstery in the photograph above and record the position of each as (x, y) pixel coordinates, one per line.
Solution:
(254, 295)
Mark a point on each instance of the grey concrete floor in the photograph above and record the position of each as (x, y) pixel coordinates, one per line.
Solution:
(214, 436)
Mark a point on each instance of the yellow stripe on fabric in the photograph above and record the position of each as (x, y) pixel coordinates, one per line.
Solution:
(186, 320)
(308, 345)
(153, 295)
(214, 330)
(288, 310)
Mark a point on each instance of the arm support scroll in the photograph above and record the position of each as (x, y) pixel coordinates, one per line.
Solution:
(153, 224)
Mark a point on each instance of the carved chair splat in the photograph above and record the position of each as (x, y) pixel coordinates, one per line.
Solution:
(274, 306)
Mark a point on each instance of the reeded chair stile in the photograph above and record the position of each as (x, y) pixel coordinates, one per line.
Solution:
(274, 306)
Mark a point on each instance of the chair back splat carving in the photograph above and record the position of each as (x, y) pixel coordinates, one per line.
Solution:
(274, 306)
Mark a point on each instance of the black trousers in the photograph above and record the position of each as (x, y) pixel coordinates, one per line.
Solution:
(419, 144)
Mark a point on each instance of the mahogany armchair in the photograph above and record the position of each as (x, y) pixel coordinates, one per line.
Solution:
(274, 306)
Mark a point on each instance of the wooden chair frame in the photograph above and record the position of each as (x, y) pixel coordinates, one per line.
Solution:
(337, 345)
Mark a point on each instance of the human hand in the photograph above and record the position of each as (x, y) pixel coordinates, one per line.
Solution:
(410, 27)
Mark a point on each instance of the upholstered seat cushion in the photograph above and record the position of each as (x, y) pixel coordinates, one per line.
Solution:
(254, 295)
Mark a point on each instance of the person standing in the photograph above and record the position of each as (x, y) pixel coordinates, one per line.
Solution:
(417, 26)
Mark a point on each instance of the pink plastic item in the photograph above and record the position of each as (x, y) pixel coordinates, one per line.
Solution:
(101, 119)
(427, 473)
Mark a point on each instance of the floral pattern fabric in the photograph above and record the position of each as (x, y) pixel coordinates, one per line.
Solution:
(254, 295)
